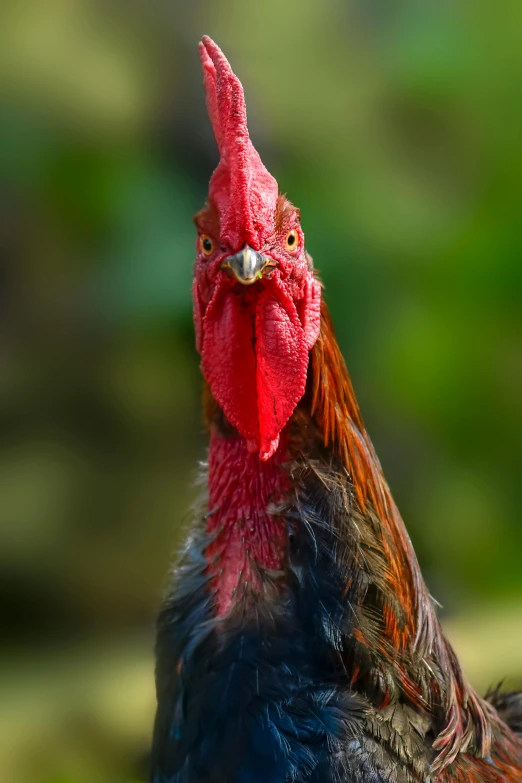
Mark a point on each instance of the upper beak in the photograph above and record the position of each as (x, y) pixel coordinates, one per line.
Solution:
(248, 265)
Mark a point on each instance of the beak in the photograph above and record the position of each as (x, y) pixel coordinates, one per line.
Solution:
(248, 265)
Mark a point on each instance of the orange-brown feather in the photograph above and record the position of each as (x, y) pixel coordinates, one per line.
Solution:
(412, 636)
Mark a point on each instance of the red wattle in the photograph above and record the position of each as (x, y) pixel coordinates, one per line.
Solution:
(282, 361)
(228, 360)
(255, 358)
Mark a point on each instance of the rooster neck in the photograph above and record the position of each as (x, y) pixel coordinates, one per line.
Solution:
(248, 537)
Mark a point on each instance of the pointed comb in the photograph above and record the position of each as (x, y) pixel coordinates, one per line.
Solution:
(241, 187)
(223, 89)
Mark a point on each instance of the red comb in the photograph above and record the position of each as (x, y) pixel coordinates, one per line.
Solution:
(244, 192)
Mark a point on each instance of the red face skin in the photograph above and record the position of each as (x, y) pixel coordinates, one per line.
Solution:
(254, 339)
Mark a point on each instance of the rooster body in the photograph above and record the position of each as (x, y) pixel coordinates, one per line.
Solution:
(298, 641)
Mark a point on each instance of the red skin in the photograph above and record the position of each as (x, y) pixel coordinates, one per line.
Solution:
(254, 340)
(246, 537)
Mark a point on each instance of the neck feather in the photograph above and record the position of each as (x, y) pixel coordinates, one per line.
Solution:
(336, 412)
(410, 640)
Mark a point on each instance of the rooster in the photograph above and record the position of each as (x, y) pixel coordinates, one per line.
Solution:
(298, 641)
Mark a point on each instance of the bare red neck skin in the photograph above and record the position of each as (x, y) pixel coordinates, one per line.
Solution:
(247, 539)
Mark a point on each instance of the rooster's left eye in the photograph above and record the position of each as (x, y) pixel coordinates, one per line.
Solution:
(207, 245)
(292, 240)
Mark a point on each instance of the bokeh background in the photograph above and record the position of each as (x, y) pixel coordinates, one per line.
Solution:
(397, 128)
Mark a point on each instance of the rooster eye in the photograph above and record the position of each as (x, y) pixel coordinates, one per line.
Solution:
(291, 241)
(207, 245)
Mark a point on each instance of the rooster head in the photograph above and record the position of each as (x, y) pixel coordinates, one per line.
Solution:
(256, 300)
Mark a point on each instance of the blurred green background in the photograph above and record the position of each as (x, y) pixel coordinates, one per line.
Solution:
(397, 128)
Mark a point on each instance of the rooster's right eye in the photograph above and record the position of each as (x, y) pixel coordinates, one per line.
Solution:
(292, 239)
(207, 245)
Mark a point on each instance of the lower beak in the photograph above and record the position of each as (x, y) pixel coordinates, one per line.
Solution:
(248, 265)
